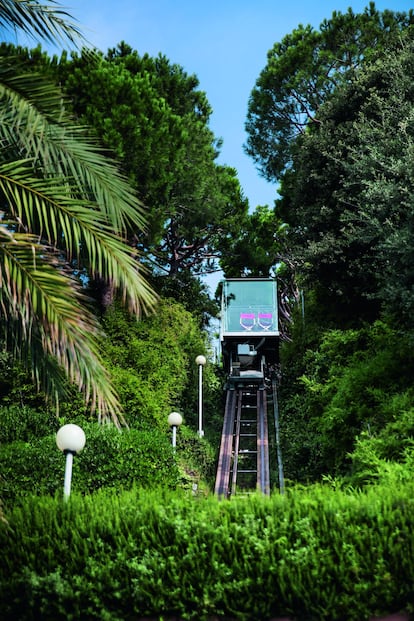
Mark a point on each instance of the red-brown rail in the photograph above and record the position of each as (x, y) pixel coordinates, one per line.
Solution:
(243, 464)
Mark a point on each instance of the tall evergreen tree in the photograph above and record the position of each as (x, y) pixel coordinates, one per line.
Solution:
(150, 113)
(349, 196)
(302, 72)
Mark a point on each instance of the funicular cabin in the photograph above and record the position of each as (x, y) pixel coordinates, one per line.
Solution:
(249, 331)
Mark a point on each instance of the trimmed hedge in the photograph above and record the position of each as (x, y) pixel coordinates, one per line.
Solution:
(315, 554)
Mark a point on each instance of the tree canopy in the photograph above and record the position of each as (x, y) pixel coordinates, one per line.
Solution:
(348, 198)
(149, 112)
(302, 72)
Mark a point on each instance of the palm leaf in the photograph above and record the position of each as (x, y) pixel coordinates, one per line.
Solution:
(42, 207)
(61, 199)
(47, 20)
(45, 307)
(60, 147)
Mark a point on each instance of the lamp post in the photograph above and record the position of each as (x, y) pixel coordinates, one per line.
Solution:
(70, 439)
(174, 420)
(201, 361)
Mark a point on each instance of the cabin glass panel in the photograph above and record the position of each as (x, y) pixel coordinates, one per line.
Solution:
(249, 307)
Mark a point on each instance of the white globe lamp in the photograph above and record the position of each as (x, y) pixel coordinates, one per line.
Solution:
(70, 439)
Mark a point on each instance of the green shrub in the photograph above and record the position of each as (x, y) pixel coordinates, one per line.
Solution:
(313, 554)
(110, 459)
(152, 362)
(122, 459)
(356, 381)
(197, 459)
(375, 454)
(25, 423)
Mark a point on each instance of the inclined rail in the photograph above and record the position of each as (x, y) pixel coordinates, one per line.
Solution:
(243, 464)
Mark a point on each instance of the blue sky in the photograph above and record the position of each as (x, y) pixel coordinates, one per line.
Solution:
(223, 42)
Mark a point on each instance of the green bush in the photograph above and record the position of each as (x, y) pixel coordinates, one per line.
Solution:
(111, 458)
(355, 381)
(152, 362)
(197, 459)
(375, 454)
(313, 554)
(25, 423)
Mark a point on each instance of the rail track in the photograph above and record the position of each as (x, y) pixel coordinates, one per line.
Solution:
(243, 464)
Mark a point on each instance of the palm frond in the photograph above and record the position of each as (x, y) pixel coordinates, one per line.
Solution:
(46, 20)
(36, 125)
(45, 307)
(43, 207)
(61, 199)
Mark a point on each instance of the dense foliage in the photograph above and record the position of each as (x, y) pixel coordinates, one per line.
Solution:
(354, 384)
(153, 365)
(153, 376)
(315, 554)
(348, 200)
(111, 458)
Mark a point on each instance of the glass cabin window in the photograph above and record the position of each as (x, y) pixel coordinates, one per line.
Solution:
(249, 306)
